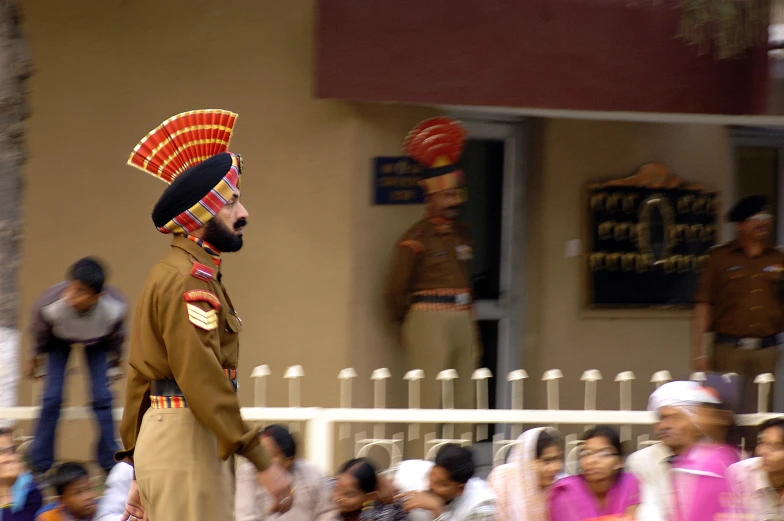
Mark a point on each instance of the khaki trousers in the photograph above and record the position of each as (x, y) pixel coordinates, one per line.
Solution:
(748, 364)
(438, 340)
(178, 470)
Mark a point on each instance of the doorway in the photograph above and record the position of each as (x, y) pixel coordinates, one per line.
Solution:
(494, 212)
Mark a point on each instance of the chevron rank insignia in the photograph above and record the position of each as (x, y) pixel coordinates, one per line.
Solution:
(206, 320)
(200, 295)
(202, 272)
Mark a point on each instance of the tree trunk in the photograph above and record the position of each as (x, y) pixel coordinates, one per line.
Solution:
(15, 68)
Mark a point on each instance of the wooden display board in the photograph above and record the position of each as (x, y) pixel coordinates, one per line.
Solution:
(647, 236)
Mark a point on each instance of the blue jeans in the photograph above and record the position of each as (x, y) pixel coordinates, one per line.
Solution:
(42, 450)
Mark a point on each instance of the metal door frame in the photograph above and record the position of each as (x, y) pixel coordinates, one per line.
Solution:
(508, 310)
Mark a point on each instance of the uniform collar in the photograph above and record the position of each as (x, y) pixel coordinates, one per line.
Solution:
(735, 246)
(195, 250)
(442, 225)
(209, 248)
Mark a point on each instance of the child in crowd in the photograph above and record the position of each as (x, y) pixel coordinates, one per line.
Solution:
(19, 496)
(76, 497)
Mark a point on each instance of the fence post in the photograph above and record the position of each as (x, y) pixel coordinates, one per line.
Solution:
(626, 378)
(260, 374)
(379, 378)
(590, 377)
(517, 377)
(319, 442)
(447, 377)
(345, 376)
(293, 374)
(481, 376)
(763, 382)
(660, 378)
(414, 376)
(551, 377)
(698, 377)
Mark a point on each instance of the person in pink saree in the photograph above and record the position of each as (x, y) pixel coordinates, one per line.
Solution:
(602, 490)
(521, 485)
(684, 477)
(701, 491)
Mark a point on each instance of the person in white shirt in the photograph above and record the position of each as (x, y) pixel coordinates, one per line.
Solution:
(118, 484)
(445, 490)
(678, 430)
(757, 484)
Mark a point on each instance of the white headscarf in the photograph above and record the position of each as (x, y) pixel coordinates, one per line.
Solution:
(681, 394)
(516, 484)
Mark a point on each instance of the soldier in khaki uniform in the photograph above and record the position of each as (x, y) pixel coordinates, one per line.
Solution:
(429, 284)
(739, 300)
(181, 425)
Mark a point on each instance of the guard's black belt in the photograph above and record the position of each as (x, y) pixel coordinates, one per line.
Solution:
(436, 299)
(747, 342)
(169, 387)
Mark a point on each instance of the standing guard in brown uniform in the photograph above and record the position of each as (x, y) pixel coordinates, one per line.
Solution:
(181, 425)
(739, 300)
(429, 285)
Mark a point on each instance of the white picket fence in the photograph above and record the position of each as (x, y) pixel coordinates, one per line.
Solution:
(322, 425)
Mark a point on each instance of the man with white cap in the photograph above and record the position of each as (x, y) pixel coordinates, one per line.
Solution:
(666, 469)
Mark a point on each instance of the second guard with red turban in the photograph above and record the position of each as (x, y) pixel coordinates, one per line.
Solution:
(428, 288)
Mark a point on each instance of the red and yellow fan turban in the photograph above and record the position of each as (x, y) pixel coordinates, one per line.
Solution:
(437, 145)
(189, 152)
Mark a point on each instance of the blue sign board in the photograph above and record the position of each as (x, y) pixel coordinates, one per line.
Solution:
(396, 181)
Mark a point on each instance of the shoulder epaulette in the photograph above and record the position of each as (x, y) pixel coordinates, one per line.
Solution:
(415, 246)
(202, 272)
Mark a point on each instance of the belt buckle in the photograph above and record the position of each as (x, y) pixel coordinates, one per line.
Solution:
(462, 299)
(749, 344)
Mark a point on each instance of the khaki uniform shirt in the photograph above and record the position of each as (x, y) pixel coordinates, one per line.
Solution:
(430, 255)
(166, 342)
(744, 293)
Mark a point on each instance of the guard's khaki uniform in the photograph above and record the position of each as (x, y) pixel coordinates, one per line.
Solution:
(429, 292)
(747, 312)
(186, 331)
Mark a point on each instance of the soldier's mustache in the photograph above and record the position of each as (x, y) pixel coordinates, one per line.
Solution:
(240, 223)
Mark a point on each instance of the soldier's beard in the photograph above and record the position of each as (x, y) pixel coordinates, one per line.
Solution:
(221, 237)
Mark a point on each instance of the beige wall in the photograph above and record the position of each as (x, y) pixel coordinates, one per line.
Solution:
(308, 283)
(305, 283)
(561, 335)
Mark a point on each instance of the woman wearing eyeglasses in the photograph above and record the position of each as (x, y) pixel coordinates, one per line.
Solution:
(602, 488)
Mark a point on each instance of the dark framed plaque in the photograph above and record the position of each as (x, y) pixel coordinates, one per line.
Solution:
(648, 236)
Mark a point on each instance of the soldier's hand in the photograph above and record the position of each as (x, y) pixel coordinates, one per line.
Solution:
(700, 363)
(134, 511)
(278, 483)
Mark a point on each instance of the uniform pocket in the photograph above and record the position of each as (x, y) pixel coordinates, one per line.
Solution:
(734, 275)
(233, 323)
(736, 281)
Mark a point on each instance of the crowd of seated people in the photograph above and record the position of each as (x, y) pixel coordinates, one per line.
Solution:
(692, 473)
